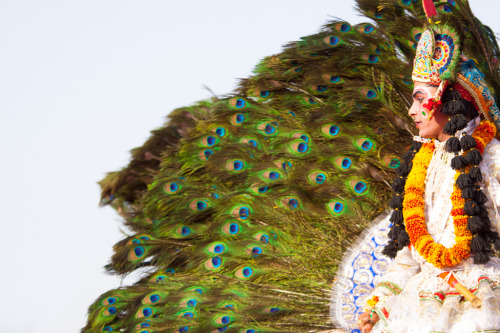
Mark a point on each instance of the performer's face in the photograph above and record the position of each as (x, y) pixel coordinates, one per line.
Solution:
(428, 127)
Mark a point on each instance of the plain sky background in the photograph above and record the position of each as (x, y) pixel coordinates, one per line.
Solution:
(82, 83)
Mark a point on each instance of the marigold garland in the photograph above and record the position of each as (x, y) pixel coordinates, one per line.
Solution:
(414, 206)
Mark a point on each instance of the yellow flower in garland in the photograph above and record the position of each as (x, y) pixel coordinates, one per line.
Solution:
(414, 206)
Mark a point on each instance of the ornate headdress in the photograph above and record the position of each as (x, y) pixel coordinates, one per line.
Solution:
(439, 61)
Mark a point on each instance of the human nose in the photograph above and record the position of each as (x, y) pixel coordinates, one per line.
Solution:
(413, 110)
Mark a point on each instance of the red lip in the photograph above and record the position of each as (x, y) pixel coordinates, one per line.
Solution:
(417, 123)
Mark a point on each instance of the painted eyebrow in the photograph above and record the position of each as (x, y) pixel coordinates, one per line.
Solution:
(418, 92)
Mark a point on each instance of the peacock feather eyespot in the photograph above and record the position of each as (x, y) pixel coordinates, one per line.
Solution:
(365, 144)
(187, 315)
(197, 205)
(262, 237)
(144, 312)
(213, 263)
(406, 80)
(241, 212)
(110, 300)
(151, 298)
(258, 188)
(367, 28)
(183, 329)
(342, 162)
(268, 128)
(250, 330)
(271, 310)
(205, 154)
(172, 187)
(238, 119)
(231, 228)
(298, 147)
(107, 329)
(336, 207)
(236, 165)
(321, 88)
(254, 250)
(358, 186)
(332, 40)
(244, 273)
(309, 101)
(222, 320)
(183, 231)
(286, 166)
(250, 141)
(371, 94)
(317, 177)
(209, 141)
(188, 303)
(216, 248)
(406, 2)
(110, 311)
(301, 135)
(446, 9)
(220, 131)
(270, 174)
(330, 130)
(391, 162)
(290, 202)
(263, 93)
(343, 27)
(336, 79)
(238, 103)
(136, 253)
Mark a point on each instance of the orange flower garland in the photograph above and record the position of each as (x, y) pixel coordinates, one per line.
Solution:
(414, 206)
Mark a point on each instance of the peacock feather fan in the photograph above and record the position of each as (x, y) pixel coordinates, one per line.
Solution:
(241, 207)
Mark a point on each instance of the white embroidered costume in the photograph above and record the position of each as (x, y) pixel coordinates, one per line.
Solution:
(420, 301)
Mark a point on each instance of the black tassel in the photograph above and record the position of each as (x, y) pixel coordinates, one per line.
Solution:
(472, 208)
(481, 258)
(475, 224)
(460, 121)
(467, 142)
(398, 185)
(458, 162)
(464, 181)
(478, 244)
(403, 240)
(450, 127)
(496, 244)
(480, 197)
(452, 103)
(453, 145)
(475, 174)
(395, 231)
(397, 216)
(396, 202)
(469, 192)
(390, 250)
(403, 170)
(473, 157)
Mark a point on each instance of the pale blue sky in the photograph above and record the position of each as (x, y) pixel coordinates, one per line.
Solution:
(82, 83)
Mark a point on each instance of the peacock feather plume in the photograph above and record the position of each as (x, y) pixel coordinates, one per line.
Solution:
(240, 208)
